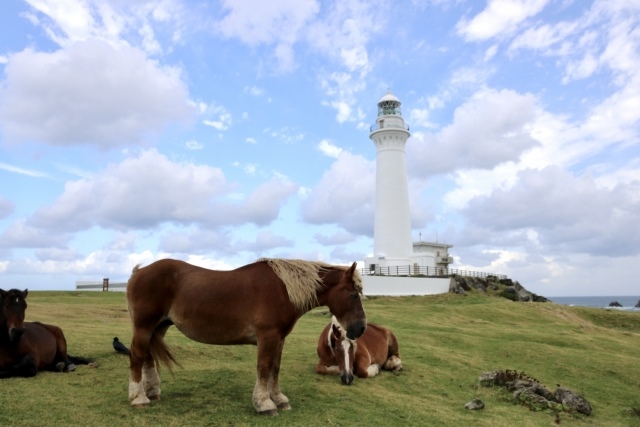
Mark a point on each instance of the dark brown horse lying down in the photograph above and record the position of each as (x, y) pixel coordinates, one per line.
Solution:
(376, 349)
(29, 347)
(256, 304)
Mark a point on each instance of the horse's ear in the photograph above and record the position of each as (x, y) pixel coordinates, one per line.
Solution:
(25, 293)
(352, 269)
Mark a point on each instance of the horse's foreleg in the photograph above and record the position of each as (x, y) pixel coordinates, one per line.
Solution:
(281, 401)
(323, 369)
(139, 353)
(27, 367)
(365, 368)
(267, 349)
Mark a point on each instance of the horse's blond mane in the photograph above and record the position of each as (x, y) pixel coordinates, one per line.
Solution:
(302, 280)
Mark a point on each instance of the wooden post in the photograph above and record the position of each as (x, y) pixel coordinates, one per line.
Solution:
(105, 284)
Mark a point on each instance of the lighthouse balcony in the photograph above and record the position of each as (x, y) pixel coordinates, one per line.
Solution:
(388, 125)
(444, 260)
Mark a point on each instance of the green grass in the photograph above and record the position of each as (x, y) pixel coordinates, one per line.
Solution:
(446, 342)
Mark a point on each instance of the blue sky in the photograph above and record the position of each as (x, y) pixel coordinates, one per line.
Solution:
(221, 132)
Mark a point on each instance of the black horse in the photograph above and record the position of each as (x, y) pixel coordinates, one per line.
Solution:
(29, 347)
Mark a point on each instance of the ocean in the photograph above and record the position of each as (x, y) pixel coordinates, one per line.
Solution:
(628, 302)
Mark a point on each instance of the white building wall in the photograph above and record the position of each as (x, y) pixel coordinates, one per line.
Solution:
(404, 286)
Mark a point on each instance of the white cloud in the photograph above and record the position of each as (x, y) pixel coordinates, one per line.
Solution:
(254, 90)
(344, 195)
(277, 22)
(192, 144)
(22, 171)
(500, 16)
(139, 24)
(337, 238)
(491, 128)
(220, 117)
(149, 190)
(554, 204)
(6, 207)
(251, 140)
(329, 149)
(89, 94)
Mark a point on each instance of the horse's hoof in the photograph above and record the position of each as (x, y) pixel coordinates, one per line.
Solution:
(60, 366)
(154, 398)
(141, 405)
(284, 406)
(270, 413)
(71, 367)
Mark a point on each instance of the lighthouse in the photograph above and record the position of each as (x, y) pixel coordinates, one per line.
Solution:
(392, 221)
(399, 266)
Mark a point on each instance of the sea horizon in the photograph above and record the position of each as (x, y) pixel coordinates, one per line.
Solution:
(628, 302)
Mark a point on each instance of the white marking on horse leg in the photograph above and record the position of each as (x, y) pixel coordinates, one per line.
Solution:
(332, 370)
(151, 381)
(373, 370)
(137, 395)
(393, 363)
(261, 400)
(281, 401)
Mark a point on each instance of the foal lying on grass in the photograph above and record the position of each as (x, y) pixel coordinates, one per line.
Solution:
(376, 349)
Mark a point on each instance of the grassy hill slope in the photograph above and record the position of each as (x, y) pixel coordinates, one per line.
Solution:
(446, 342)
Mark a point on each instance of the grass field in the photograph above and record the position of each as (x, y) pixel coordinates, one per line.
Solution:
(446, 342)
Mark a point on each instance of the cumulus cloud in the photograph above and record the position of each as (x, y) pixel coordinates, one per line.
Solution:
(568, 213)
(489, 129)
(148, 190)
(342, 34)
(145, 24)
(500, 16)
(23, 235)
(6, 207)
(344, 195)
(328, 149)
(89, 93)
(338, 238)
(276, 23)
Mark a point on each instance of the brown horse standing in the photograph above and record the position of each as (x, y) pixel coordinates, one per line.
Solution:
(29, 347)
(256, 304)
(376, 349)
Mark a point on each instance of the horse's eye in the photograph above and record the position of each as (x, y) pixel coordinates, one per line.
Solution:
(355, 295)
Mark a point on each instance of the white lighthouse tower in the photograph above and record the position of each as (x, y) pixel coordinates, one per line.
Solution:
(392, 222)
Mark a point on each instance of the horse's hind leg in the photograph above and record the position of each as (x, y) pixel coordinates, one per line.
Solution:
(139, 354)
(281, 401)
(393, 362)
(60, 362)
(150, 377)
(267, 356)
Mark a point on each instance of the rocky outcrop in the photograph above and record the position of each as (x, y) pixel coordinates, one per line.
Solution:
(615, 304)
(506, 288)
(531, 393)
(638, 304)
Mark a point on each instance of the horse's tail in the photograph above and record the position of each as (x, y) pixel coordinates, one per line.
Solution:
(77, 360)
(160, 352)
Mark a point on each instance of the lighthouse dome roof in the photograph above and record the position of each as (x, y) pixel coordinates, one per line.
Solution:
(389, 97)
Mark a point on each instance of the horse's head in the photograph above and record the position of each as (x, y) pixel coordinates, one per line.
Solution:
(12, 308)
(344, 351)
(345, 303)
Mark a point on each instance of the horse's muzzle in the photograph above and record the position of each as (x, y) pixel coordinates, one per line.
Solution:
(346, 378)
(356, 329)
(16, 333)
